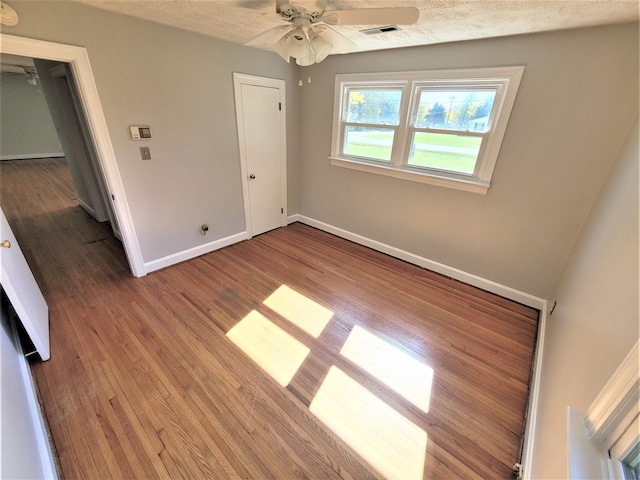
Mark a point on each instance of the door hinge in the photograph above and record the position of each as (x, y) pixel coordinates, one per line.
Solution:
(281, 210)
(280, 106)
(113, 197)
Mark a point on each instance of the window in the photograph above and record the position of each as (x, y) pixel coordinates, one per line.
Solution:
(605, 443)
(438, 127)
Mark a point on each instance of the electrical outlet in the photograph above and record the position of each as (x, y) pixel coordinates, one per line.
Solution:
(204, 229)
(145, 153)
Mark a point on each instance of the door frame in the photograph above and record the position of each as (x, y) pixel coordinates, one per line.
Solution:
(240, 79)
(78, 59)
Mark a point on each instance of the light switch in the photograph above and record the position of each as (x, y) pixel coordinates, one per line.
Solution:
(145, 153)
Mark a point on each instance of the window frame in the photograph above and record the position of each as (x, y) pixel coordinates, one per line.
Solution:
(377, 87)
(504, 80)
(606, 439)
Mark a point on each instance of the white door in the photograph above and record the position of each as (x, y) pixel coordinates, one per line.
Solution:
(75, 144)
(261, 123)
(22, 290)
(25, 451)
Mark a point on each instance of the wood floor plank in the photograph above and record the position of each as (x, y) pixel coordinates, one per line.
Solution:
(143, 381)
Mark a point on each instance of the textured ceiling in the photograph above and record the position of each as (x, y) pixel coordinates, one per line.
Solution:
(440, 20)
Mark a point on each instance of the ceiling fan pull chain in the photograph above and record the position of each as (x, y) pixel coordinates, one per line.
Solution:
(300, 82)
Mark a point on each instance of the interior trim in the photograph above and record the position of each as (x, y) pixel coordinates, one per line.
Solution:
(428, 177)
(240, 79)
(30, 156)
(468, 278)
(78, 58)
(617, 400)
(194, 252)
(534, 396)
(476, 281)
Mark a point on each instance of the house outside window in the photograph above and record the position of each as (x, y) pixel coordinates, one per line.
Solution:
(440, 127)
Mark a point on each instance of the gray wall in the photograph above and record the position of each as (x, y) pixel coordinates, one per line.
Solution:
(26, 128)
(578, 96)
(181, 85)
(577, 99)
(595, 323)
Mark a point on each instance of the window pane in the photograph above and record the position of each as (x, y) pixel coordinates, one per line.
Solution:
(455, 110)
(380, 107)
(369, 142)
(454, 153)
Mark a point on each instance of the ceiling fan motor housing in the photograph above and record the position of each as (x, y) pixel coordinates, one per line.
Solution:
(312, 9)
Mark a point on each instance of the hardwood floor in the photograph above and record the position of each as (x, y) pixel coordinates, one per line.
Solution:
(144, 381)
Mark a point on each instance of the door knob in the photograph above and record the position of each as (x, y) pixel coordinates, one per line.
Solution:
(5, 244)
(252, 176)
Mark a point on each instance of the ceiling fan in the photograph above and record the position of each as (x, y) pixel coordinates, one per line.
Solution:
(22, 70)
(309, 35)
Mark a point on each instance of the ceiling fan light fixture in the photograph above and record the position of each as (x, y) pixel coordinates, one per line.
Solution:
(306, 60)
(297, 43)
(310, 32)
(280, 48)
(321, 48)
(8, 16)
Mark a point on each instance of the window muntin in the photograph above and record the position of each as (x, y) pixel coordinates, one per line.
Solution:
(465, 109)
(374, 106)
(440, 117)
(440, 127)
(441, 151)
(366, 110)
(372, 143)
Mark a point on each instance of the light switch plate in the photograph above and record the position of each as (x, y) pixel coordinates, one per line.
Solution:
(145, 153)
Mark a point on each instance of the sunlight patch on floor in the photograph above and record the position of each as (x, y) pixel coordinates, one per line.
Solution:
(391, 443)
(273, 349)
(299, 310)
(404, 374)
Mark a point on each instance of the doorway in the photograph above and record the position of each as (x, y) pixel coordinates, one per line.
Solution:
(78, 61)
(261, 118)
(76, 141)
(47, 90)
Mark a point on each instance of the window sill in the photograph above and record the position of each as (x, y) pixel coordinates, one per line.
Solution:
(466, 184)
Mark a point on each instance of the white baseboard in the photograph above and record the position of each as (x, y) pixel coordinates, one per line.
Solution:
(31, 156)
(91, 211)
(87, 208)
(194, 252)
(468, 278)
(534, 396)
(476, 281)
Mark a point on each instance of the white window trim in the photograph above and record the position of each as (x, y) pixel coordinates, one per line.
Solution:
(508, 77)
(609, 429)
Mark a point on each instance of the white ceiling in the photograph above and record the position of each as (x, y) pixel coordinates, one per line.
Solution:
(440, 20)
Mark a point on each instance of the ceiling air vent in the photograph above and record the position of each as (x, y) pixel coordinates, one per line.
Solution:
(377, 30)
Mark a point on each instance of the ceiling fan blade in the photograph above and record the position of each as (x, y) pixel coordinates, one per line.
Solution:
(269, 37)
(341, 44)
(17, 69)
(330, 18)
(378, 16)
